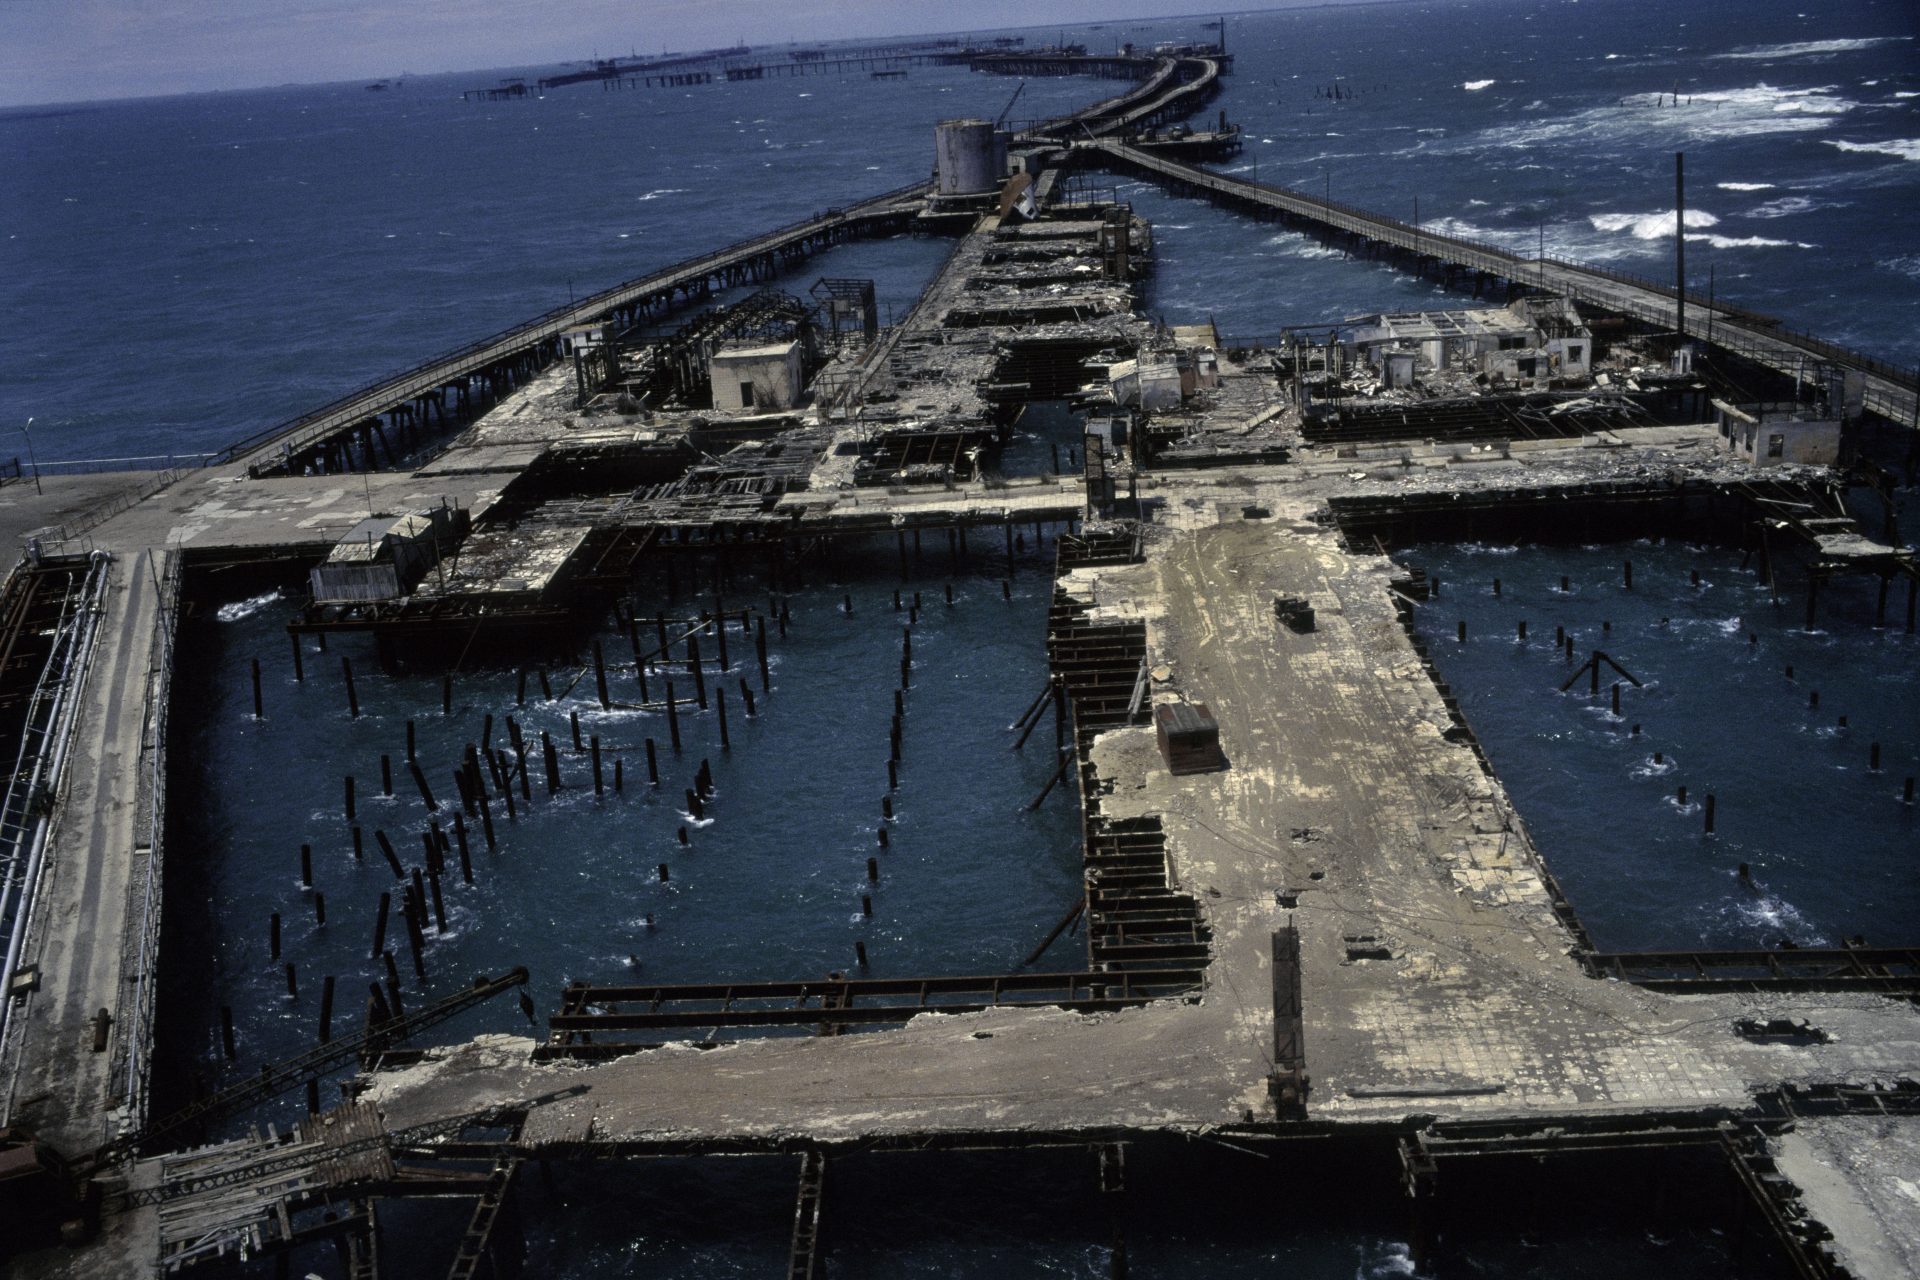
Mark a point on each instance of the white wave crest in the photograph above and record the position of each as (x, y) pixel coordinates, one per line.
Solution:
(1905, 148)
(1810, 48)
(1475, 86)
(239, 609)
(1786, 206)
(1744, 186)
(1748, 242)
(1753, 111)
(1649, 226)
(1906, 266)
(1293, 244)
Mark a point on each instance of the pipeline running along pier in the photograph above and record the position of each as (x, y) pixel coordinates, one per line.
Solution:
(1309, 916)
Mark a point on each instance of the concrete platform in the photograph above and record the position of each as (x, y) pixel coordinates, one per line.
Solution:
(1338, 767)
(1857, 1176)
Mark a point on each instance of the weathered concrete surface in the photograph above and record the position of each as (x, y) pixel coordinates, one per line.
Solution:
(53, 1081)
(1860, 1177)
(77, 502)
(1338, 767)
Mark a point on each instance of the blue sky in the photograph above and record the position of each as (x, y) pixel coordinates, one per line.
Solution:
(83, 50)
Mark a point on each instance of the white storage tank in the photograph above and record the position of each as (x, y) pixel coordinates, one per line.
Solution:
(968, 157)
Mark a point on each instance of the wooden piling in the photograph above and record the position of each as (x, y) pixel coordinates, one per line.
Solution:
(573, 724)
(426, 792)
(699, 676)
(446, 694)
(653, 765)
(600, 676)
(349, 797)
(1709, 813)
(353, 699)
(746, 698)
(326, 1009)
(299, 667)
(380, 924)
(386, 775)
(293, 981)
(439, 904)
(359, 854)
(673, 720)
(552, 761)
(410, 751)
(319, 909)
(593, 747)
(760, 651)
(273, 936)
(720, 708)
(394, 1003)
(258, 712)
(226, 1031)
(386, 847)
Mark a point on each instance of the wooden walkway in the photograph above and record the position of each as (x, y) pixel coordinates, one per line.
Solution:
(1890, 391)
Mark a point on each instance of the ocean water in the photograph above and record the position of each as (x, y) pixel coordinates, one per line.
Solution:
(1828, 842)
(769, 883)
(187, 271)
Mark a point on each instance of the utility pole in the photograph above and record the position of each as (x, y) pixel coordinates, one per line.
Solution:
(1680, 247)
(27, 431)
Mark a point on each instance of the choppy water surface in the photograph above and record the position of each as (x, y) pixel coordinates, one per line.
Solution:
(1829, 844)
(770, 882)
(255, 254)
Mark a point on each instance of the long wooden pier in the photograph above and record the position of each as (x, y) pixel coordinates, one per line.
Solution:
(1890, 390)
(756, 258)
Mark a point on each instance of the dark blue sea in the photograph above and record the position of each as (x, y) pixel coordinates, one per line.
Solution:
(183, 272)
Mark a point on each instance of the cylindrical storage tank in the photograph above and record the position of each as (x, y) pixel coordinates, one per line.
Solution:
(963, 152)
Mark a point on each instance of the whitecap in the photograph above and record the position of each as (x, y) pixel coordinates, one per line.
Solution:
(1906, 266)
(1786, 206)
(1748, 242)
(1297, 245)
(1744, 186)
(1907, 93)
(245, 608)
(1810, 48)
(1905, 148)
(1474, 86)
(1649, 226)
